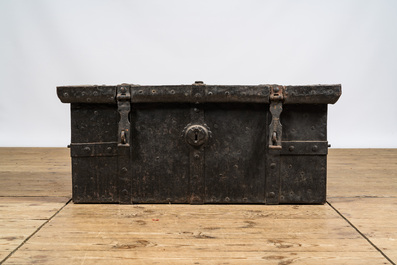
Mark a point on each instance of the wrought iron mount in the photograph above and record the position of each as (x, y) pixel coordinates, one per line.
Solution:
(276, 107)
(123, 98)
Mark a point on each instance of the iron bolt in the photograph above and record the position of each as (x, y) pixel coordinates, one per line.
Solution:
(196, 110)
(276, 89)
(65, 95)
(272, 194)
(125, 192)
(291, 148)
(124, 170)
(109, 149)
(315, 148)
(87, 149)
(123, 90)
(273, 165)
(197, 156)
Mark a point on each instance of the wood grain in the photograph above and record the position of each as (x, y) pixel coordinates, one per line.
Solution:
(35, 172)
(207, 234)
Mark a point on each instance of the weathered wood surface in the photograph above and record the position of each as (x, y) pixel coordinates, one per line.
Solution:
(35, 172)
(209, 234)
(362, 173)
(361, 185)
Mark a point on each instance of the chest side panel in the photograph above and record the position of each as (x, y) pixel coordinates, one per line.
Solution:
(93, 148)
(303, 159)
(235, 156)
(160, 156)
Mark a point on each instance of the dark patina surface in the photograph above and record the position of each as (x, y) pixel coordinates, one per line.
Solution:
(199, 143)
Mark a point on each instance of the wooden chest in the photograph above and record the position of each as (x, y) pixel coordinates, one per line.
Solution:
(199, 143)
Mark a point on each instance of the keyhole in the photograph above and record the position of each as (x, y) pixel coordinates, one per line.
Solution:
(196, 136)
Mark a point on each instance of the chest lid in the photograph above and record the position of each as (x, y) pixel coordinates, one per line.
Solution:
(201, 93)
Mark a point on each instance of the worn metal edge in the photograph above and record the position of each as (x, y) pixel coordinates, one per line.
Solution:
(304, 94)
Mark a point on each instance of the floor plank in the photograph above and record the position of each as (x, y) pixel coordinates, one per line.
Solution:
(35, 172)
(362, 173)
(20, 217)
(235, 234)
(376, 218)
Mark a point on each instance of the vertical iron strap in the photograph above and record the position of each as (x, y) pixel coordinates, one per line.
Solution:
(196, 155)
(123, 98)
(272, 194)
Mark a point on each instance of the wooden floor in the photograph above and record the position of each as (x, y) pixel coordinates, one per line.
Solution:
(39, 224)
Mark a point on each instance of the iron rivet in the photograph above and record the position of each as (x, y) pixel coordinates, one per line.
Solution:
(196, 110)
(209, 93)
(87, 149)
(272, 194)
(172, 91)
(66, 95)
(125, 192)
(227, 93)
(83, 94)
(197, 156)
(315, 148)
(123, 90)
(124, 170)
(276, 89)
(109, 149)
(273, 165)
(291, 148)
(153, 91)
(95, 93)
(227, 199)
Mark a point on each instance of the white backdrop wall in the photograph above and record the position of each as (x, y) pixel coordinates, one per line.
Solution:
(48, 43)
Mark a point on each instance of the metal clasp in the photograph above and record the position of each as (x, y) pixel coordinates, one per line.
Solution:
(276, 107)
(123, 98)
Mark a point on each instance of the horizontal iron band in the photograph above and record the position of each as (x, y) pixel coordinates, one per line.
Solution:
(316, 94)
(304, 148)
(93, 149)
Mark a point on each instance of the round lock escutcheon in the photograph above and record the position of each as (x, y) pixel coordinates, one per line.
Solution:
(196, 135)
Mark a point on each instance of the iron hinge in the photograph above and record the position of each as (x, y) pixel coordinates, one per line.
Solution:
(276, 107)
(123, 98)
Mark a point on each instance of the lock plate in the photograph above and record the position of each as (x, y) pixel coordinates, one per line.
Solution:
(196, 135)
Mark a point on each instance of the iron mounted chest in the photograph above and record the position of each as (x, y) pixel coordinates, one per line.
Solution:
(199, 143)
